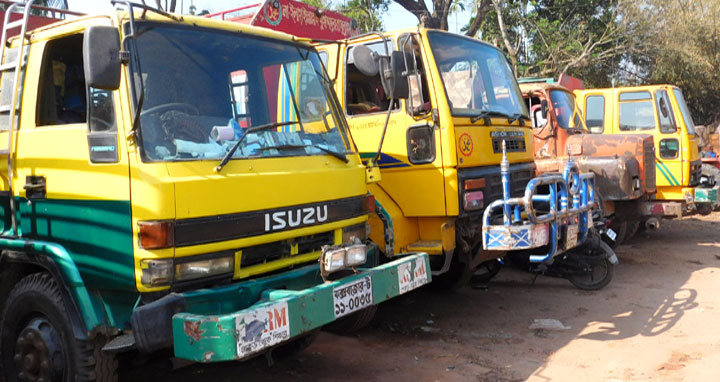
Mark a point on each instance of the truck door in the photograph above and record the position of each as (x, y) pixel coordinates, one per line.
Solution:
(72, 178)
(410, 154)
(639, 111)
(669, 145)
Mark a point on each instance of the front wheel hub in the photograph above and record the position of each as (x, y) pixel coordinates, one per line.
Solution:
(38, 352)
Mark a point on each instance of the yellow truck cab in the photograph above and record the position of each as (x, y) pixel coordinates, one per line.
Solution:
(659, 110)
(443, 146)
(176, 182)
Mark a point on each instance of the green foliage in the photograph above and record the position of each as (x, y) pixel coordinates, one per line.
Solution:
(680, 44)
(551, 37)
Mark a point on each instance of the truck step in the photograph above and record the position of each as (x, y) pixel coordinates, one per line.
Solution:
(432, 247)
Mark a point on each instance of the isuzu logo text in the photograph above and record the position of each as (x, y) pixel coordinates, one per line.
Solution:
(295, 218)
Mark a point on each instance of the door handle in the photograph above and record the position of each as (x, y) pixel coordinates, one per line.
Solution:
(35, 187)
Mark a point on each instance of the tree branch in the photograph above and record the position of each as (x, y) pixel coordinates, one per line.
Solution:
(482, 9)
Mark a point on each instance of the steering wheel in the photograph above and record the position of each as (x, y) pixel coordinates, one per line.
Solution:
(170, 106)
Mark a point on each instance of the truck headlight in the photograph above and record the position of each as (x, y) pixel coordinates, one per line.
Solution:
(156, 273)
(337, 258)
(355, 255)
(195, 269)
(332, 260)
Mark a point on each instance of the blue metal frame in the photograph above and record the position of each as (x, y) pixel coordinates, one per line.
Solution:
(570, 199)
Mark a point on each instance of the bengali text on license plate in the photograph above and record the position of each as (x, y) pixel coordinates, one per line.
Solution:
(352, 297)
(572, 236)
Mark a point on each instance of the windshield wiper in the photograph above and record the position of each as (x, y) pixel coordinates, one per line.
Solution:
(326, 150)
(486, 114)
(247, 131)
(518, 116)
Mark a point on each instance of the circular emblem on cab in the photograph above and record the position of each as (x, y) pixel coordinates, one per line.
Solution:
(465, 144)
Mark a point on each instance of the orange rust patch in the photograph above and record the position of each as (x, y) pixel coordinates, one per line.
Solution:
(192, 330)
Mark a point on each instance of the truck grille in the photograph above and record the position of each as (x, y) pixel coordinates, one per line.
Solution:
(264, 253)
(649, 163)
(512, 145)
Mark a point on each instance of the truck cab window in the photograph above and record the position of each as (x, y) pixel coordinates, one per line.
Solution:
(62, 95)
(595, 113)
(366, 94)
(102, 115)
(664, 112)
(636, 111)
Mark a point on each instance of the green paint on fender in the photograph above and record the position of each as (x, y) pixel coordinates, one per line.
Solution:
(290, 304)
(91, 243)
(96, 233)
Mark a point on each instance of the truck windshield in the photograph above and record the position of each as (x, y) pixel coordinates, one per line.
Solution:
(477, 77)
(204, 88)
(566, 114)
(685, 111)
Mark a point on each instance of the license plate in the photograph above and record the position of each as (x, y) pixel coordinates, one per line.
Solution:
(412, 275)
(571, 237)
(611, 234)
(352, 297)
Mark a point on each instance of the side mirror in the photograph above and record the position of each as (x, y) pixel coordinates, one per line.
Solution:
(365, 60)
(395, 75)
(101, 56)
(544, 108)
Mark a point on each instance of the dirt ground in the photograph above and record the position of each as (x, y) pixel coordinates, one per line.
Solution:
(657, 321)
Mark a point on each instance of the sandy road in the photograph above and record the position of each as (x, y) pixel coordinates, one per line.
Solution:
(659, 320)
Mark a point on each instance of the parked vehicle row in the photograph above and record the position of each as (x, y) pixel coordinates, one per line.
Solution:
(226, 190)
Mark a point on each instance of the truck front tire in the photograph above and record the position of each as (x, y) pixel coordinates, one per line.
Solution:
(37, 342)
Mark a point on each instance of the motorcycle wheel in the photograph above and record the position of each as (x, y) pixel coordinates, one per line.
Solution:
(601, 270)
(486, 271)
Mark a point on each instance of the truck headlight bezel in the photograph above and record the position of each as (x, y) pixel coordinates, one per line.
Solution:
(156, 272)
(166, 272)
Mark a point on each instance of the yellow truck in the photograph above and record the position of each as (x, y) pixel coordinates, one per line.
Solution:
(176, 182)
(659, 110)
(457, 159)
(442, 149)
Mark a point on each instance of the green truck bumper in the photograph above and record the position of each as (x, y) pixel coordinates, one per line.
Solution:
(287, 305)
(707, 195)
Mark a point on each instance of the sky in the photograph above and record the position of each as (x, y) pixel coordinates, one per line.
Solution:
(395, 18)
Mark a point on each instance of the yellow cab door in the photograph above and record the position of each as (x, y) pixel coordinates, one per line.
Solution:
(410, 161)
(689, 141)
(71, 167)
(649, 111)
